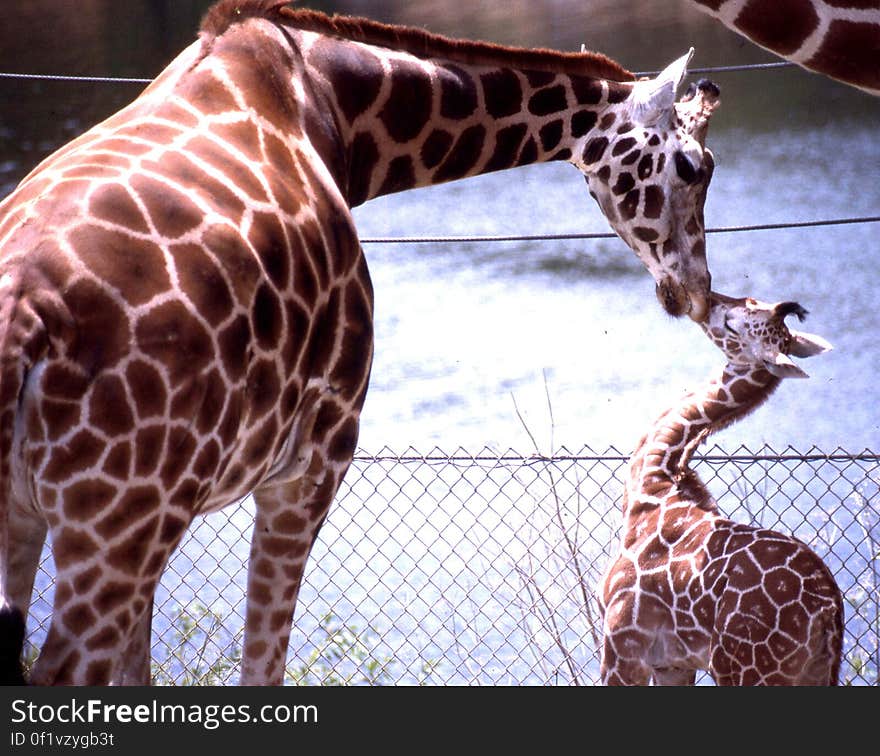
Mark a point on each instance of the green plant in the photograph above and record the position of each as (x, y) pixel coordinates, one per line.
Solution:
(196, 656)
(31, 652)
(346, 655)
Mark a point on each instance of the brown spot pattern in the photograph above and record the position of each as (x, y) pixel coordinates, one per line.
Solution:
(172, 213)
(850, 51)
(134, 267)
(112, 203)
(408, 107)
(782, 25)
(503, 93)
(173, 336)
(202, 281)
(463, 156)
(458, 93)
(507, 146)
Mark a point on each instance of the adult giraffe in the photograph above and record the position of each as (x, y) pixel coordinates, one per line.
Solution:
(838, 38)
(186, 313)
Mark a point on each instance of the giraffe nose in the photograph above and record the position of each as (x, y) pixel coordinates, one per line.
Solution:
(673, 297)
(678, 300)
(699, 307)
(709, 89)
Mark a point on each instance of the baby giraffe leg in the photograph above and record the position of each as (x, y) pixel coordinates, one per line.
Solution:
(618, 670)
(673, 676)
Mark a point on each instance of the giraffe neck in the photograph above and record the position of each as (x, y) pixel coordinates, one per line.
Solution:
(409, 121)
(838, 39)
(658, 469)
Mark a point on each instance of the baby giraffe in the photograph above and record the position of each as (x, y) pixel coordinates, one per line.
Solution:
(691, 590)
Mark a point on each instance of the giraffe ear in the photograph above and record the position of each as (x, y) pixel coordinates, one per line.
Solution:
(783, 367)
(653, 99)
(807, 344)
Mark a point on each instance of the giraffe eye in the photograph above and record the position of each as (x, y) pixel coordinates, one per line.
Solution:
(685, 168)
(729, 328)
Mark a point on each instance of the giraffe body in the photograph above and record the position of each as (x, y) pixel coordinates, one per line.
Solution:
(186, 312)
(837, 38)
(692, 590)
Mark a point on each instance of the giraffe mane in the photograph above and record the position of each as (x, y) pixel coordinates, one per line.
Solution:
(225, 13)
(416, 41)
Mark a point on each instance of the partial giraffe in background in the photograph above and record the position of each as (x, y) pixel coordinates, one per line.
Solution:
(186, 312)
(837, 38)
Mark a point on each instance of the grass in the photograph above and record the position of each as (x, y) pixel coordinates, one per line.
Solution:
(202, 652)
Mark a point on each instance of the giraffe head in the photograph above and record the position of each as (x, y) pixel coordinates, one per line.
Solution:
(753, 334)
(649, 171)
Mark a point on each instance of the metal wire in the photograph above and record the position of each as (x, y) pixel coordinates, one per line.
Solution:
(608, 235)
(729, 69)
(516, 237)
(134, 80)
(614, 455)
(86, 79)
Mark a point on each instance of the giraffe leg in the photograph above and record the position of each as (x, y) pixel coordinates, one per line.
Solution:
(627, 672)
(730, 662)
(136, 669)
(293, 502)
(285, 529)
(100, 622)
(617, 670)
(26, 535)
(673, 676)
(728, 680)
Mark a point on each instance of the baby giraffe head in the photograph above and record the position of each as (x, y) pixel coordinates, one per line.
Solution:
(753, 334)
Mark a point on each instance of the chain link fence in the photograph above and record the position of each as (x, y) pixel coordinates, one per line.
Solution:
(480, 569)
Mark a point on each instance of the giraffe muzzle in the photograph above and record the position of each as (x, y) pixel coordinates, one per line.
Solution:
(677, 300)
(699, 307)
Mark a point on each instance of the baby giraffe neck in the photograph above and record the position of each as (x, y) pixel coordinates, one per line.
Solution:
(661, 458)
